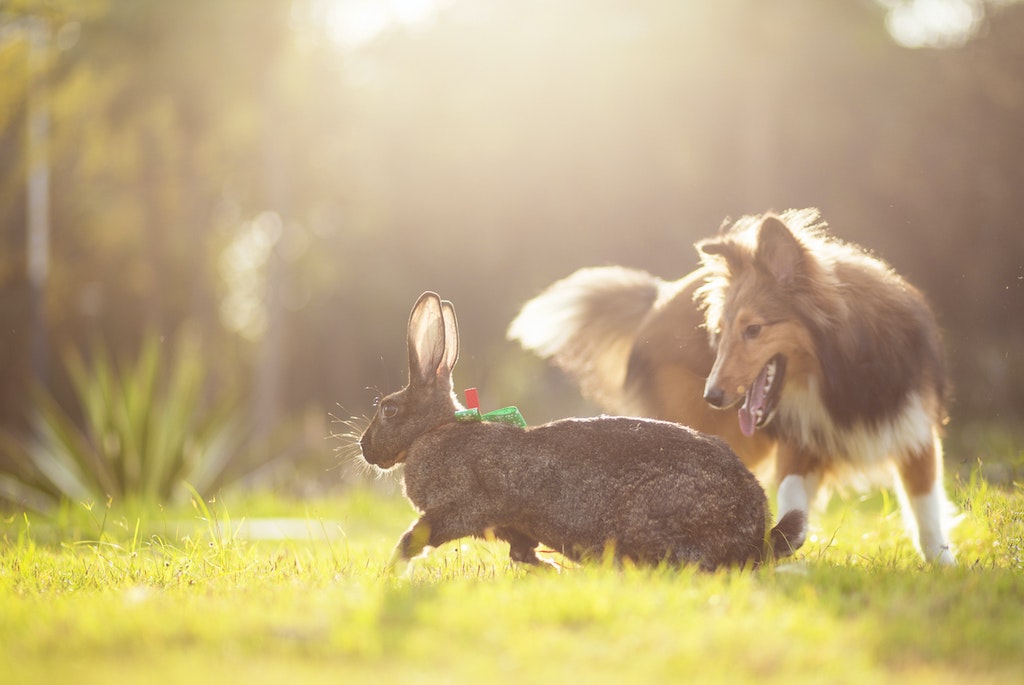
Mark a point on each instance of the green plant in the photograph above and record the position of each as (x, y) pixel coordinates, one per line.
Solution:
(145, 430)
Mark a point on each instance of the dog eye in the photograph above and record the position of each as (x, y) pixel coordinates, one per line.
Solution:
(388, 410)
(752, 331)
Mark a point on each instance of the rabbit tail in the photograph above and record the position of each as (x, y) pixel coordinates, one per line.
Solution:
(789, 533)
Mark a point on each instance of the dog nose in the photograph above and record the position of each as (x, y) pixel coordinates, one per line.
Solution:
(714, 396)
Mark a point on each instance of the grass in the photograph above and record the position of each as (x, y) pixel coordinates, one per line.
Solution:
(99, 595)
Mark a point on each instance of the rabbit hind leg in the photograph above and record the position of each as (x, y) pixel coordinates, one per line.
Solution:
(521, 547)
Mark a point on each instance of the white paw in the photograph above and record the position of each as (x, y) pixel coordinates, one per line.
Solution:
(942, 556)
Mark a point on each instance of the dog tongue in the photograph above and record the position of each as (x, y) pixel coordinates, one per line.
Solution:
(753, 402)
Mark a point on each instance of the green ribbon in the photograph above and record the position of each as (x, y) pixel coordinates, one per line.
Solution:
(504, 415)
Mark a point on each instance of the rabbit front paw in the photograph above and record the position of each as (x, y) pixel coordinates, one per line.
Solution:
(412, 542)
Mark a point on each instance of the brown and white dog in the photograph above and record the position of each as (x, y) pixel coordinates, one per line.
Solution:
(835, 360)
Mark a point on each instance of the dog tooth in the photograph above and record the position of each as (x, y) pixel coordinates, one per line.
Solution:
(769, 376)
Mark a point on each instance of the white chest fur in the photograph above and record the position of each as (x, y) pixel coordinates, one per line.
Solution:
(804, 417)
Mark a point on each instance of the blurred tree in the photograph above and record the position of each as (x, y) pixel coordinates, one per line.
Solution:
(515, 143)
(292, 194)
(172, 124)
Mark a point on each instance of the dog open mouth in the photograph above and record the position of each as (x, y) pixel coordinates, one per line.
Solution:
(763, 396)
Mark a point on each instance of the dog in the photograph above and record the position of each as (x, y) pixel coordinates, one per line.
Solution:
(835, 361)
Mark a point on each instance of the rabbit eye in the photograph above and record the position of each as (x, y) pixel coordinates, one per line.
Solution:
(388, 410)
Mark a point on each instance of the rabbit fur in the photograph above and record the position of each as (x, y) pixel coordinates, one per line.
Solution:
(639, 489)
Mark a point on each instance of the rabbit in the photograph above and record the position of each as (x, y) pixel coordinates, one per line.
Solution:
(639, 489)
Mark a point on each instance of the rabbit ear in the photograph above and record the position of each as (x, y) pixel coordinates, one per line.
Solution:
(451, 338)
(433, 339)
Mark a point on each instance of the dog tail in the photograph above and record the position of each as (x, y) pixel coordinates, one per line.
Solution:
(789, 533)
(586, 325)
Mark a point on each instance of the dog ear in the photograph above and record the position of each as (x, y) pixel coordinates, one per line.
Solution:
(778, 250)
(723, 249)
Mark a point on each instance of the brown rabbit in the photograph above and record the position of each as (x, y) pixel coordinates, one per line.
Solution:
(649, 491)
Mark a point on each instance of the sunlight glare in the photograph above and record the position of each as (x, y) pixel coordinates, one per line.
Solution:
(354, 23)
(243, 272)
(933, 23)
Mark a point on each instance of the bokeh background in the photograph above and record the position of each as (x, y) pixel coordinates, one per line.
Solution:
(275, 181)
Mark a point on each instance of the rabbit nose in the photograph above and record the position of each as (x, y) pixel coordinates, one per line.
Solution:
(714, 396)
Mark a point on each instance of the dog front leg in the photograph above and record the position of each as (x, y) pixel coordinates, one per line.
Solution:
(798, 472)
